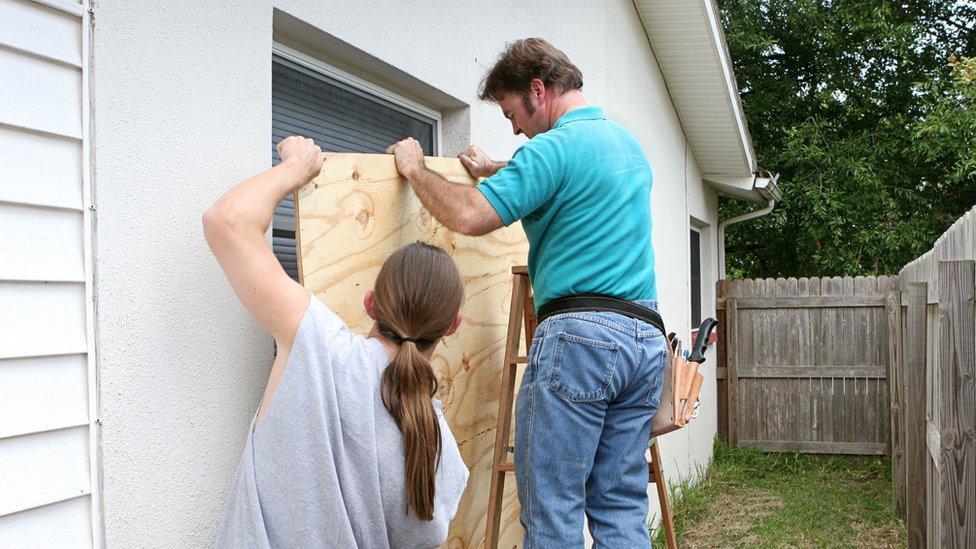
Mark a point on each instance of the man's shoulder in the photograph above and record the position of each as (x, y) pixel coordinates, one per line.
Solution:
(545, 147)
(620, 135)
(555, 137)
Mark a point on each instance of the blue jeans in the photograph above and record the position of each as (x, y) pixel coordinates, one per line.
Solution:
(582, 423)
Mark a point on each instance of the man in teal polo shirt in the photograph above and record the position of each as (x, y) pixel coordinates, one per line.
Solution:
(581, 186)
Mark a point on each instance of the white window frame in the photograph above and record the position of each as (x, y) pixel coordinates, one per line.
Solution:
(367, 88)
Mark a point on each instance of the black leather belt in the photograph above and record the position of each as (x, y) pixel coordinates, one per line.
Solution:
(596, 302)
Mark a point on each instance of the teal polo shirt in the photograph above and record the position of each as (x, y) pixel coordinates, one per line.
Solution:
(583, 193)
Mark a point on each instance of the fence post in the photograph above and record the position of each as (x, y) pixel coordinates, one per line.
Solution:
(721, 370)
(916, 299)
(896, 394)
(731, 373)
(957, 404)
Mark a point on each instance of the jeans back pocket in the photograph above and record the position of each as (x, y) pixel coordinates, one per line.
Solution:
(657, 368)
(582, 368)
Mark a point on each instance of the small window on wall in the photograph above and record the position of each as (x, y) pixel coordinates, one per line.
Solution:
(341, 117)
(695, 262)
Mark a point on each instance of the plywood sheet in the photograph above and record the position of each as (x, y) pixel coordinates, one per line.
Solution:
(350, 219)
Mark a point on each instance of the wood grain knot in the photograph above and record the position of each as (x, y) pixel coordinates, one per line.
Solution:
(444, 387)
(359, 206)
(427, 221)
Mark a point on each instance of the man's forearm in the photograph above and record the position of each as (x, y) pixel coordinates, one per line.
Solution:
(449, 202)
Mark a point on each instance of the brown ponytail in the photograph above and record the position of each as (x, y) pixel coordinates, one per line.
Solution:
(417, 296)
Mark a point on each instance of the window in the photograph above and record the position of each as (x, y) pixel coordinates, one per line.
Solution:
(340, 117)
(696, 294)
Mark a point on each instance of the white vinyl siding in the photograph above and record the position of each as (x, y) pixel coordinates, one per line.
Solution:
(39, 169)
(42, 31)
(47, 467)
(41, 319)
(47, 95)
(60, 524)
(46, 364)
(41, 244)
(43, 393)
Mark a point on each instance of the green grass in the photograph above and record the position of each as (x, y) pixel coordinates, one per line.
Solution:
(752, 498)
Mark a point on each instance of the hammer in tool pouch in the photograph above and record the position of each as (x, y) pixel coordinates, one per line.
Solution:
(682, 382)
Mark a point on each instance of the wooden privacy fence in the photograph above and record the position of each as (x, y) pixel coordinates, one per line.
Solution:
(865, 365)
(805, 364)
(933, 419)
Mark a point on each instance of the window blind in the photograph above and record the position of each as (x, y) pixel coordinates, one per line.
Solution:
(340, 118)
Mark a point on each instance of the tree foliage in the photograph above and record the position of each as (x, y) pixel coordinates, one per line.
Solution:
(867, 109)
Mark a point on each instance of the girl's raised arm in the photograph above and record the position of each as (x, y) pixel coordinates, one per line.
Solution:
(235, 226)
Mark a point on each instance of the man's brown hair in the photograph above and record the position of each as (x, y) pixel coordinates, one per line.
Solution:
(527, 59)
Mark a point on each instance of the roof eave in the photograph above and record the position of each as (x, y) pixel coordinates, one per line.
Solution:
(722, 49)
(688, 41)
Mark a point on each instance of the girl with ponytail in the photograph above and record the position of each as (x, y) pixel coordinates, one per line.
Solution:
(349, 447)
(416, 301)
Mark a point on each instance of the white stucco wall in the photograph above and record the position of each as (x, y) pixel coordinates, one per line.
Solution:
(689, 450)
(183, 111)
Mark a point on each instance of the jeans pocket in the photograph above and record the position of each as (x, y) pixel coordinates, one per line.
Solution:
(582, 368)
(659, 366)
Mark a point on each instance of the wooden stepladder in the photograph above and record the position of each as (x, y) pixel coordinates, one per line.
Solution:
(522, 311)
(522, 316)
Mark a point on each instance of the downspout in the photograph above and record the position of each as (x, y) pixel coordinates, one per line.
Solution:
(731, 221)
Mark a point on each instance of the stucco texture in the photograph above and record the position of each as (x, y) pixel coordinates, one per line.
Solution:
(182, 111)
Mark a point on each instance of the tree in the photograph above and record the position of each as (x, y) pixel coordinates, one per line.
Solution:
(866, 109)
(947, 135)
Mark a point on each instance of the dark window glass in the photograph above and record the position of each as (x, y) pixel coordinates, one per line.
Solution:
(340, 119)
(695, 278)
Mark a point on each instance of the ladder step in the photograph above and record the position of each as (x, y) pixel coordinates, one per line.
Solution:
(507, 466)
(518, 359)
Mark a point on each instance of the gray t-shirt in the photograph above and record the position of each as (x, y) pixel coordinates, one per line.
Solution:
(325, 467)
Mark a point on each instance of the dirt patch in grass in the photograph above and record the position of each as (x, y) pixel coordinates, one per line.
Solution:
(750, 498)
(731, 517)
(871, 535)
